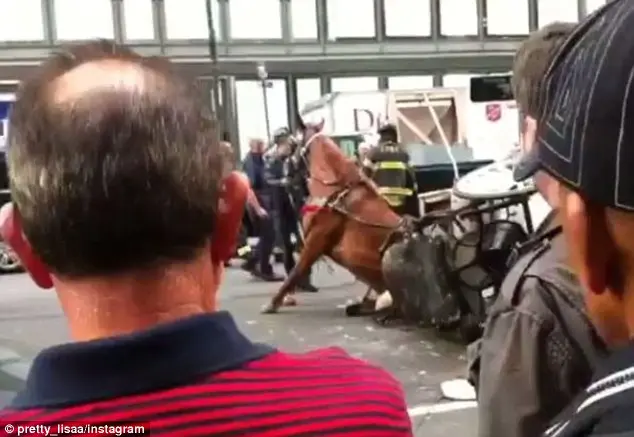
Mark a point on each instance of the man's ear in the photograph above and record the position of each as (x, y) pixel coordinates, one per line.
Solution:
(12, 234)
(590, 244)
(233, 198)
(529, 133)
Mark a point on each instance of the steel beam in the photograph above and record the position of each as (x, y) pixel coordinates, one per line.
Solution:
(340, 67)
(426, 49)
(424, 56)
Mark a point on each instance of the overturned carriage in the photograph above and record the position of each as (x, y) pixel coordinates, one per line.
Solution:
(450, 267)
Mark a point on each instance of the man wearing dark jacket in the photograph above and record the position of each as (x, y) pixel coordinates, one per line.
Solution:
(538, 349)
(586, 143)
(259, 264)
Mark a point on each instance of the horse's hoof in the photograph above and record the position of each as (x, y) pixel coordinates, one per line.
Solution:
(269, 309)
(290, 301)
(359, 309)
(353, 310)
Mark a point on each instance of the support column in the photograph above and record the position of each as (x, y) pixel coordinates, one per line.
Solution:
(231, 112)
(379, 19)
(48, 22)
(482, 19)
(438, 80)
(210, 89)
(225, 20)
(583, 9)
(206, 87)
(291, 101)
(383, 83)
(158, 18)
(322, 22)
(434, 14)
(118, 21)
(286, 20)
(533, 15)
(326, 86)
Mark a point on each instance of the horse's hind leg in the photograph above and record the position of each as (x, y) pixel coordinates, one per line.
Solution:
(316, 243)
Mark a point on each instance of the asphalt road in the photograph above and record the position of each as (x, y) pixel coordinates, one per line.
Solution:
(418, 358)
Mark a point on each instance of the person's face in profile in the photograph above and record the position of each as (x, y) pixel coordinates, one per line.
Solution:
(595, 257)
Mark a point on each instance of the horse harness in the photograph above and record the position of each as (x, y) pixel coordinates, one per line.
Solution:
(336, 202)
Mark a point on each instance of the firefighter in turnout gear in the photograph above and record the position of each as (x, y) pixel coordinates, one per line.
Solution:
(390, 170)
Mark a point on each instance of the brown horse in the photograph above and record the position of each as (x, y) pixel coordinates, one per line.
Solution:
(346, 219)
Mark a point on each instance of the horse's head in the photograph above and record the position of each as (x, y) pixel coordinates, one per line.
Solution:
(307, 133)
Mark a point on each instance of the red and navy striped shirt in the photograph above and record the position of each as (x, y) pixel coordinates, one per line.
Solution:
(325, 392)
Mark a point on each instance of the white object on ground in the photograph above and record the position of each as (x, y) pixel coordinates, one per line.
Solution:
(458, 390)
(383, 301)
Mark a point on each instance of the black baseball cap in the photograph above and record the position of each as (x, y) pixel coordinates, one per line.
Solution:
(586, 137)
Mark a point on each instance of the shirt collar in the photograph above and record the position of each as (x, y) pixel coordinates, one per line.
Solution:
(618, 359)
(164, 356)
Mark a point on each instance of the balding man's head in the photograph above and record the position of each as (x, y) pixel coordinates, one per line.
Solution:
(110, 153)
(105, 76)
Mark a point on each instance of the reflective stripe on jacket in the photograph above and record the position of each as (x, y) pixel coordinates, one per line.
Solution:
(390, 164)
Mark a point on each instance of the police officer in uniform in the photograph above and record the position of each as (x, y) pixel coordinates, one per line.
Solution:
(297, 181)
(390, 170)
(284, 213)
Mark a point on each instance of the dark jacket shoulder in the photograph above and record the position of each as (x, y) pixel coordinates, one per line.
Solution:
(538, 349)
